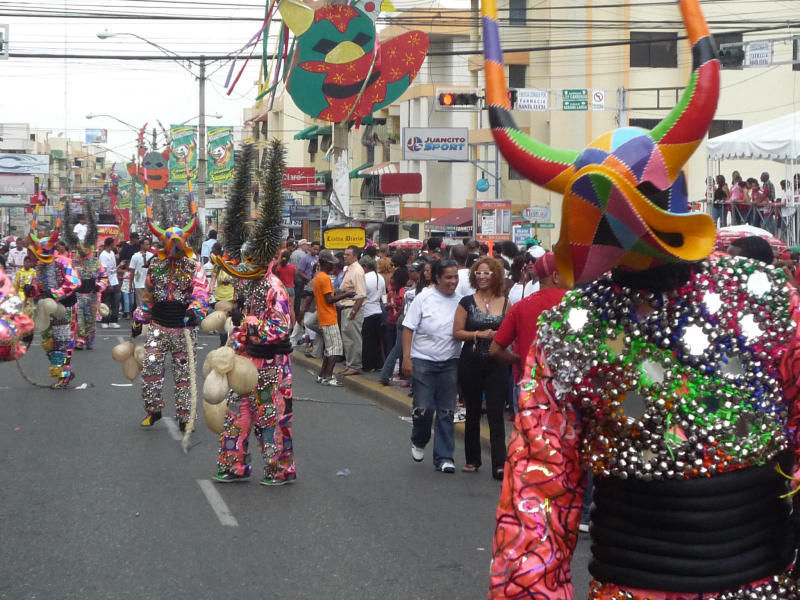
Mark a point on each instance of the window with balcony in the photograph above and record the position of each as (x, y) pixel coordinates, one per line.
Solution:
(517, 12)
(657, 49)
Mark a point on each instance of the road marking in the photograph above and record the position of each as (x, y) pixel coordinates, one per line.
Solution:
(172, 426)
(122, 385)
(221, 509)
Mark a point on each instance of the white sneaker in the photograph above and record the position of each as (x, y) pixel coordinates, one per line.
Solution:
(583, 527)
(418, 454)
(104, 325)
(114, 325)
(447, 467)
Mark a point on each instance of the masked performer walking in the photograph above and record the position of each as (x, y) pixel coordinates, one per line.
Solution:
(57, 279)
(262, 329)
(175, 298)
(92, 274)
(673, 379)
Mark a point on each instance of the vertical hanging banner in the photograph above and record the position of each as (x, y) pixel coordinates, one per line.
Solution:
(220, 154)
(182, 148)
(130, 196)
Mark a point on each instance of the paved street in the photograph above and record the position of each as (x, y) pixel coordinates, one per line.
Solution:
(93, 507)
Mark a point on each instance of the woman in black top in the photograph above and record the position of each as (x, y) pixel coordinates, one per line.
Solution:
(476, 321)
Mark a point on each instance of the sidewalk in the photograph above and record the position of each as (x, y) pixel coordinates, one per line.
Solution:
(393, 397)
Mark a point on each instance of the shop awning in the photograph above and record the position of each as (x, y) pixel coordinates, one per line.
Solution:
(323, 130)
(325, 175)
(357, 172)
(307, 133)
(380, 169)
(459, 219)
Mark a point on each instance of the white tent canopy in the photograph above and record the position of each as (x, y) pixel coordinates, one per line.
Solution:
(777, 139)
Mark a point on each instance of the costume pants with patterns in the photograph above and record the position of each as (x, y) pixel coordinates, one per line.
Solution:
(87, 315)
(160, 341)
(58, 342)
(269, 412)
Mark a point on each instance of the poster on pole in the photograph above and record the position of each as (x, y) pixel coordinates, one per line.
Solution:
(183, 148)
(130, 196)
(220, 154)
(494, 217)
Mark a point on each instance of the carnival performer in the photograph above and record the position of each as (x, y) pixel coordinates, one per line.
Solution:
(175, 298)
(92, 274)
(23, 282)
(673, 379)
(262, 329)
(16, 327)
(57, 279)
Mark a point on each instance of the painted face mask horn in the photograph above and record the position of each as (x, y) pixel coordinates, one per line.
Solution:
(625, 201)
(43, 248)
(172, 240)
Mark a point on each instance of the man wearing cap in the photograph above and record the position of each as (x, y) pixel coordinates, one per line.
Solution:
(301, 250)
(352, 311)
(326, 299)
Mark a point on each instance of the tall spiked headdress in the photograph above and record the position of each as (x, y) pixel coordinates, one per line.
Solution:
(43, 248)
(249, 256)
(625, 201)
(89, 242)
(173, 239)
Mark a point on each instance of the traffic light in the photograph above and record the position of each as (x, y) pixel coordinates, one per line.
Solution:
(512, 97)
(731, 56)
(458, 100)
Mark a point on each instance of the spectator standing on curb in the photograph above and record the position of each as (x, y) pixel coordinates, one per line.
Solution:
(286, 273)
(372, 346)
(409, 291)
(112, 294)
(16, 258)
(328, 319)
(461, 255)
(352, 311)
(205, 249)
(430, 354)
(477, 319)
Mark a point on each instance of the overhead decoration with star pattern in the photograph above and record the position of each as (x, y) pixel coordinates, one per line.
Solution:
(341, 71)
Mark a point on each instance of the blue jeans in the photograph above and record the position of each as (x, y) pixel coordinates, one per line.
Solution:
(435, 386)
(128, 302)
(394, 355)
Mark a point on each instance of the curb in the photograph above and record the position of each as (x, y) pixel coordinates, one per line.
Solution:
(398, 402)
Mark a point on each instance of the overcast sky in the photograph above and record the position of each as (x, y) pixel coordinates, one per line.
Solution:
(56, 94)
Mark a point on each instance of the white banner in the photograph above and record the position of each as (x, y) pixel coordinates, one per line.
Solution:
(436, 143)
(391, 206)
(25, 164)
(11, 185)
(532, 100)
(759, 54)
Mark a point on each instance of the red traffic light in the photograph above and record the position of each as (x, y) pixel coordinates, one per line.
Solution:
(447, 99)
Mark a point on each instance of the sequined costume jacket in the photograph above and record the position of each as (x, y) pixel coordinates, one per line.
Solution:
(57, 279)
(14, 323)
(180, 281)
(267, 319)
(680, 387)
(92, 275)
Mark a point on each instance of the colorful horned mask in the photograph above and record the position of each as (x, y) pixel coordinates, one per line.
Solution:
(341, 71)
(154, 165)
(44, 249)
(625, 201)
(172, 240)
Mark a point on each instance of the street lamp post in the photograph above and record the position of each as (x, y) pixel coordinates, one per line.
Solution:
(201, 78)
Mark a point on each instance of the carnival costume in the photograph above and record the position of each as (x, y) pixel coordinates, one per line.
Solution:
(57, 279)
(261, 332)
(175, 298)
(16, 327)
(92, 274)
(672, 379)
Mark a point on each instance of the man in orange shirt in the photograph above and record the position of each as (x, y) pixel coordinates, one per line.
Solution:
(328, 319)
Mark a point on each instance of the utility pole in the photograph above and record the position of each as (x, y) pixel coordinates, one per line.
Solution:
(201, 138)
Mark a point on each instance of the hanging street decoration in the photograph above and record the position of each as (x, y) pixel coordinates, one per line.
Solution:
(340, 71)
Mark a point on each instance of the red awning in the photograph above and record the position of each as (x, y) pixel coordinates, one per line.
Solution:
(460, 218)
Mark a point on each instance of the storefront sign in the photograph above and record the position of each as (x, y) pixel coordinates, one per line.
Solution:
(339, 238)
(436, 143)
(301, 179)
(23, 164)
(11, 185)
